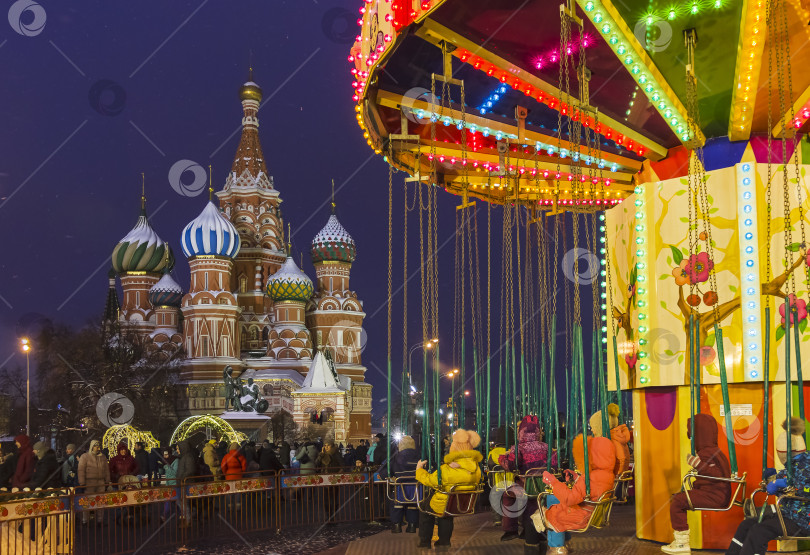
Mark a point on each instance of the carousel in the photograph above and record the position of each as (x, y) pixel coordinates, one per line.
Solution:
(645, 163)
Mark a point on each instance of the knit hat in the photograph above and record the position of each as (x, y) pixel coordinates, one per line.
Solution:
(596, 419)
(234, 446)
(94, 443)
(406, 442)
(528, 429)
(797, 444)
(39, 449)
(71, 447)
(464, 440)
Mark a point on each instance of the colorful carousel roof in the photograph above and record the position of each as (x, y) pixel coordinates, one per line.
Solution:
(333, 243)
(141, 250)
(289, 283)
(210, 234)
(508, 56)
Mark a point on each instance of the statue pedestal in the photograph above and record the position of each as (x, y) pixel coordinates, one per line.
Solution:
(252, 424)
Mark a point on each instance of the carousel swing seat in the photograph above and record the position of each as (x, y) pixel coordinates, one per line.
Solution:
(622, 487)
(403, 490)
(459, 500)
(789, 493)
(499, 478)
(737, 496)
(600, 511)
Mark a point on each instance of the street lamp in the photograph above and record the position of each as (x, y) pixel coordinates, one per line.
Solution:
(26, 347)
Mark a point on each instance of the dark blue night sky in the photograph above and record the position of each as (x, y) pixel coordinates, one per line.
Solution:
(107, 90)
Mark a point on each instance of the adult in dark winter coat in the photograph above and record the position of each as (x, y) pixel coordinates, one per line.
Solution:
(187, 465)
(222, 449)
(249, 451)
(708, 461)
(268, 459)
(361, 452)
(403, 468)
(8, 462)
(25, 462)
(46, 472)
(123, 464)
(142, 458)
(380, 453)
(284, 454)
(70, 467)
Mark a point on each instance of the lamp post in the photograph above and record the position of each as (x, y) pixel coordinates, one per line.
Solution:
(26, 347)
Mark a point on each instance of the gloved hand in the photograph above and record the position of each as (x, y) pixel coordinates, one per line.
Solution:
(570, 475)
(547, 477)
(692, 460)
(776, 485)
(768, 472)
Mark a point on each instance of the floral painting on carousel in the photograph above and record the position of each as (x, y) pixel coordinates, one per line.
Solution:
(659, 241)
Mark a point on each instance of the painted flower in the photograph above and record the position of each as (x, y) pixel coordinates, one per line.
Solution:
(698, 267)
(798, 310)
(631, 360)
(807, 258)
(707, 355)
(681, 277)
(631, 290)
(703, 236)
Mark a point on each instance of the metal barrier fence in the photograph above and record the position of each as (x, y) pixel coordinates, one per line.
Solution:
(128, 518)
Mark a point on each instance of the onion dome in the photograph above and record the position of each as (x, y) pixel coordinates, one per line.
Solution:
(250, 91)
(334, 243)
(210, 234)
(141, 250)
(166, 292)
(289, 283)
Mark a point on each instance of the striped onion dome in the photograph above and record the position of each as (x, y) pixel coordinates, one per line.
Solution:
(166, 292)
(289, 283)
(210, 234)
(334, 243)
(141, 250)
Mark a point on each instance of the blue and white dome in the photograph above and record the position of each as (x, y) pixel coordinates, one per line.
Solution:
(166, 292)
(210, 234)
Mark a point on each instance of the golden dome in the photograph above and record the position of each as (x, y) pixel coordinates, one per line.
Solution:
(250, 91)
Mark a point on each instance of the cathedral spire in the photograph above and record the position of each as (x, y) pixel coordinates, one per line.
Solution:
(249, 156)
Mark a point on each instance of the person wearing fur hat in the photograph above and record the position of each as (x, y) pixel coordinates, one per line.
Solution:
(708, 461)
(403, 468)
(566, 511)
(752, 536)
(460, 470)
(619, 434)
(532, 455)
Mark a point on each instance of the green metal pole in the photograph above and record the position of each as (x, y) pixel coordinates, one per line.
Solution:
(788, 392)
(732, 451)
(618, 377)
(692, 386)
(438, 420)
(799, 381)
(462, 419)
(580, 363)
(425, 412)
(766, 386)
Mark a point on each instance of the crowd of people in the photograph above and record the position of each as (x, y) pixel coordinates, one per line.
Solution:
(516, 460)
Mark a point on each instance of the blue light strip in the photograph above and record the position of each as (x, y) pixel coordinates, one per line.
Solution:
(749, 271)
(493, 98)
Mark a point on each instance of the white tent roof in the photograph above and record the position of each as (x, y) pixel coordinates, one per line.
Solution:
(321, 379)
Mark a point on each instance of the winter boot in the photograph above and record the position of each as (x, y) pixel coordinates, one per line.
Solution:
(411, 529)
(396, 529)
(680, 545)
(423, 544)
(509, 536)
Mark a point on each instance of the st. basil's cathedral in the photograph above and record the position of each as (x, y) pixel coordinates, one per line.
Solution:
(249, 305)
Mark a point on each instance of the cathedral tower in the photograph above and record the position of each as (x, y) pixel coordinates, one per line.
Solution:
(210, 311)
(252, 205)
(139, 259)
